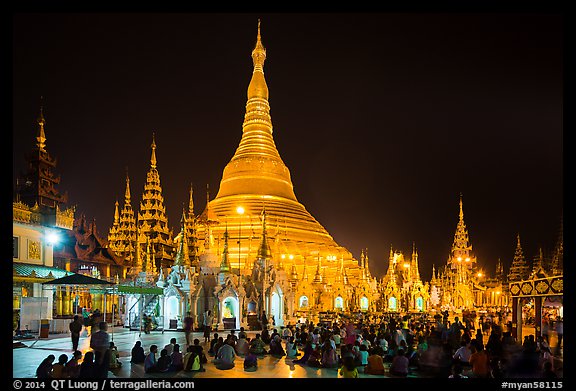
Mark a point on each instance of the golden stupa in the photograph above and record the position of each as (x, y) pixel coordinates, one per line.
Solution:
(257, 178)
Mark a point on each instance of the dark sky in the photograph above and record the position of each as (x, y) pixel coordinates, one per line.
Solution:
(382, 119)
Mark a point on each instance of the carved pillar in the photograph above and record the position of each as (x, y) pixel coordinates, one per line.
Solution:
(538, 315)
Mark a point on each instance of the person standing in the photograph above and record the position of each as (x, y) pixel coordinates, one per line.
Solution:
(208, 319)
(100, 343)
(86, 320)
(188, 327)
(560, 334)
(75, 329)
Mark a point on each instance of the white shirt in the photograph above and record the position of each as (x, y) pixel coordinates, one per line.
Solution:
(463, 354)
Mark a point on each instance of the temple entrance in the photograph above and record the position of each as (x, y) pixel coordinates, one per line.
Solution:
(172, 313)
(339, 303)
(275, 309)
(252, 316)
(419, 303)
(364, 303)
(230, 313)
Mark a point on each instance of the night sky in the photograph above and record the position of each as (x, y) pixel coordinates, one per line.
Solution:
(382, 119)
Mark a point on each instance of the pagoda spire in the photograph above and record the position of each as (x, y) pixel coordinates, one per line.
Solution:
(461, 252)
(153, 157)
(225, 264)
(41, 139)
(519, 270)
(305, 271)
(271, 177)
(318, 275)
(116, 214)
(182, 254)
(264, 249)
(127, 193)
(191, 202)
(152, 214)
(414, 263)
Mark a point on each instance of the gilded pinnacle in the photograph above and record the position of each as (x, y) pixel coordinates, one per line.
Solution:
(153, 158)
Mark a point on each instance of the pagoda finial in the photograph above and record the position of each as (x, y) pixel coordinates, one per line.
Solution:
(258, 87)
(127, 194)
(259, 52)
(116, 214)
(153, 157)
(41, 122)
(461, 210)
(191, 202)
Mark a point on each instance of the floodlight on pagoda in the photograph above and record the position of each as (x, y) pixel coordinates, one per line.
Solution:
(406, 265)
(291, 256)
(459, 259)
(283, 256)
(468, 259)
(479, 274)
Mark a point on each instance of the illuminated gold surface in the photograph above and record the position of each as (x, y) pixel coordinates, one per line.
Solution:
(256, 177)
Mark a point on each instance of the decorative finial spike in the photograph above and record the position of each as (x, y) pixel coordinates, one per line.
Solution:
(153, 157)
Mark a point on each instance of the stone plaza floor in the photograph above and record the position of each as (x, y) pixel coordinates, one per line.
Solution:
(27, 358)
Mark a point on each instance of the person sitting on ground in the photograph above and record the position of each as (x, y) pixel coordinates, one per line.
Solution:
(276, 349)
(213, 342)
(88, 366)
(191, 361)
(58, 368)
(170, 347)
(399, 365)
(286, 333)
(363, 355)
(463, 354)
(242, 333)
(307, 352)
(457, 372)
(329, 356)
(72, 366)
(266, 336)
(348, 369)
(176, 363)
(375, 365)
(250, 362)
(291, 348)
(114, 357)
(44, 370)
(199, 350)
(257, 346)
(230, 340)
(138, 355)
(225, 357)
(315, 357)
(217, 345)
(164, 361)
(242, 346)
(479, 361)
(150, 363)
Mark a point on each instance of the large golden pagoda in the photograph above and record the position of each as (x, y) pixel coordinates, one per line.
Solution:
(257, 178)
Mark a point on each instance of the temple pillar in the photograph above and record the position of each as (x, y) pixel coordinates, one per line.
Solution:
(66, 301)
(97, 301)
(58, 301)
(538, 315)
